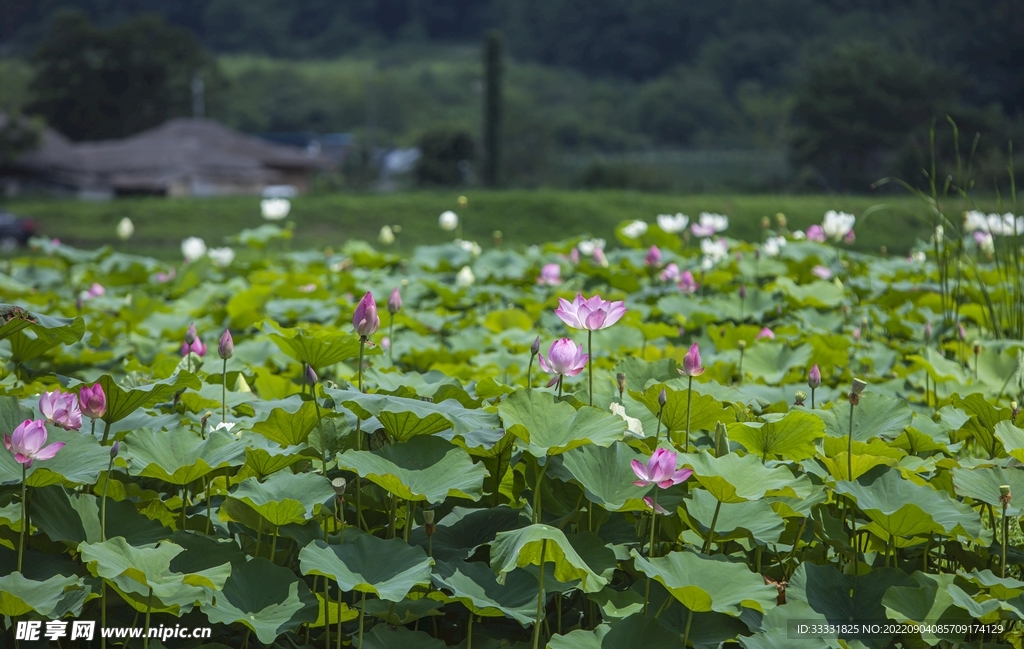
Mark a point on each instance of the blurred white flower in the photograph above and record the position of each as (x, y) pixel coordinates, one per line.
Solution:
(386, 236)
(673, 224)
(772, 245)
(472, 247)
(715, 250)
(1005, 225)
(275, 209)
(193, 248)
(940, 233)
(448, 220)
(221, 256)
(633, 425)
(465, 277)
(634, 229)
(125, 229)
(306, 288)
(821, 272)
(984, 241)
(918, 256)
(587, 246)
(838, 224)
(710, 224)
(798, 235)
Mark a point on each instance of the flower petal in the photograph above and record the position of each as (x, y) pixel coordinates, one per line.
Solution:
(48, 452)
(640, 470)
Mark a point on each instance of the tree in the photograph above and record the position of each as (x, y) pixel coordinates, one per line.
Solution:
(494, 54)
(17, 134)
(94, 83)
(857, 106)
(445, 157)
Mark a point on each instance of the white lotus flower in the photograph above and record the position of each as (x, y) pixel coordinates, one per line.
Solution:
(221, 256)
(673, 224)
(633, 425)
(125, 229)
(985, 242)
(386, 236)
(472, 247)
(1005, 225)
(714, 222)
(715, 250)
(918, 256)
(772, 245)
(448, 221)
(799, 235)
(587, 246)
(193, 248)
(275, 209)
(634, 229)
(837, 224)
(940, 233)
(465, 277)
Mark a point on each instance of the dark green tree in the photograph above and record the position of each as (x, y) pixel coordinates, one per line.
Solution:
(94, 83)
(17, 134)
(857, 107)
(494, 64)
(445, 157)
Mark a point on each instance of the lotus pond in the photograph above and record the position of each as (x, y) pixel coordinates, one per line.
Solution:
(671, 443)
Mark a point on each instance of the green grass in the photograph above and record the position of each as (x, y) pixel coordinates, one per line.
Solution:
(525, 217)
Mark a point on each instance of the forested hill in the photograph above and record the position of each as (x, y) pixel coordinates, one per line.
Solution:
(636, 39)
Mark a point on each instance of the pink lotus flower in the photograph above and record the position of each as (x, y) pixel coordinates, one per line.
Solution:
(574, 255)
(816, 233)
(96, 290)
(28, 443)
(365, 319)
(653, 257)
(385, 343)
(599, 258)
(592, 314)
(670, 274)
(61, 408)
(550, 275)
(702, 230)
(565, 358)
(765, 333)
(686, 282)
(93, 401)
(814, 377)
(849, 237)
(163, 278)
(691, 362)
(660, 470)
(394, 301)
(197, 347)
(821, 272)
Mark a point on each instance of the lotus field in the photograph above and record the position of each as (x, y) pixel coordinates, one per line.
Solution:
(682, 440)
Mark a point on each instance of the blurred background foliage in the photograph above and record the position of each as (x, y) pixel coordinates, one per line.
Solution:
(825, 96)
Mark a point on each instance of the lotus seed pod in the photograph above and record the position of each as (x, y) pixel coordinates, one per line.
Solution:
(339, 485)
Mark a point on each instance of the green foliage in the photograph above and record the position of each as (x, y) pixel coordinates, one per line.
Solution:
(444, 156)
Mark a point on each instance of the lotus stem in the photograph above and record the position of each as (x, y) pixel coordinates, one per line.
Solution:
(560, 377)
(469, 631)
(338, 630)
(327, 615)
(536, 493)
(273, 546)
(657, 433)
(103, 502)
(223, 392)
(686, 632)
(590, 374)
(540, 597)
(410, 516)
(650, 548)
(689, 396)
(320, 427)
(711, 532)
(362, 611)
(106, 431)
(529, 372)
(812, 398)
(391, 339)
(24, 514)
(149, 608)
(209, 515)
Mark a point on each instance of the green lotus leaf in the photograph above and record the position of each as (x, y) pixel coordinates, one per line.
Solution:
(80, 461)
(525, 546)
(475, 586)
(791, 437)
(998, 587)
(267, 598)
(424, 468)
(15, 318)
(845, 598)
(819, 294)
(706, 411)
(633, 631)
(926, 600)
(1012, 439)
(982, 484)
(899, 507)
(121, 403)
(383, 637)
(777, 624)
(53, 598)
(404, 612)
(939, 368)
(180, 457)
(388, 568)
(982, 420)
(606, 475)
(27, 345)
(461, 532)
(288, 428)
(754, 519)
(75, 517)
(549, 427)
(505, 319)
(705, 584)
(282, 499)
(771, 362)
(319, 348)
(877, 415)
(640, 372)
(734, 479)
(839, 466)
(406, 418)
(264, 457)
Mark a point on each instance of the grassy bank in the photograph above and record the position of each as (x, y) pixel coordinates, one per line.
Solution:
(525, 217)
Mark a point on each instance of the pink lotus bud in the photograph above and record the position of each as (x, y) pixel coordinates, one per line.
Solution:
(574, 256)
(365, 319)
(814, 377)
(850, 237)
(662, 398)
(191, 334)
(311, 377)
(115, 448)
(766, 333)
(856, 333)
(93, 401)
(691, 362)
(928, 331)
(686, 282)
(394, 301)
(535, 347)
(226, 346)
(743, 291)
(816, 233)
(961, 331)
(653, 257)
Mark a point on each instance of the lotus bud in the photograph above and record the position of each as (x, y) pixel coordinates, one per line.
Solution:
(365, 319)
(928, 331)
(1004, 495)
(428, 522)
(1014, 409)
(662, 398)
(535, 347)
(721, 440)
(497, 238)
(885, 251)
(742, 344)
(961, 330)
(801, 396)
(311, 377)
(814, 378)
(856, 390)
(339, 485)
(191, 334)
(226, 346)
(692, 363)
(743, 291)
(780, 218)
(394, 301)
(766, 222)
(115, 448)
(977, 347)
(620, 380)
(463, 201)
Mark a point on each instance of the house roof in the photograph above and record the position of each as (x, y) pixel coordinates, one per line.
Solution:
(180, 150)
